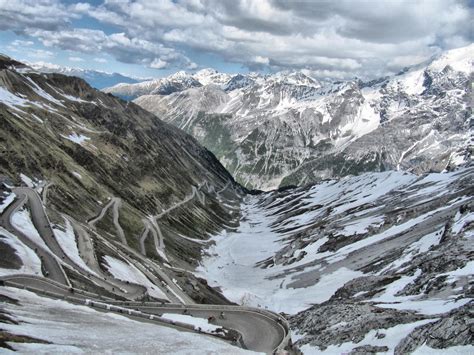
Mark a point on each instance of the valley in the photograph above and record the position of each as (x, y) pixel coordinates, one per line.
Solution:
(115, 222)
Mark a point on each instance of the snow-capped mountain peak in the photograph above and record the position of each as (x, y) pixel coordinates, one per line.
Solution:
(459, 59)
(288, 128)
(96, 78)
(211, 76)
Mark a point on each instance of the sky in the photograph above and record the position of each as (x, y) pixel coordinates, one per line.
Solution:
(329, 39)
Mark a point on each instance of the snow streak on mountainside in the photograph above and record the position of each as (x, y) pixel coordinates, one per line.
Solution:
(288, 128)
(383, 260)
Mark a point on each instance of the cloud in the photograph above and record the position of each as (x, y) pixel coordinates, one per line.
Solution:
(158, 64)
(20, 43)
(20, 15)
(40, 54)
(76, 59)
(119, 45)
(343, 38)
(100, 60)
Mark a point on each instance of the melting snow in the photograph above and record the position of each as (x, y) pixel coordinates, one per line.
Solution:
(126, 272)
(27, 180)
(76, 138)
(21, 220)
(67, 240)
(11, 100)
(39, 91)
(392, 337)
(6, 202)
(80, 329)
(31, 262)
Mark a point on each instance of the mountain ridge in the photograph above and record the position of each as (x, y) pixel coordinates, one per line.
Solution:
(288, 128)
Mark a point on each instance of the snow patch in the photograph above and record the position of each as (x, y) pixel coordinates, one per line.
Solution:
(31, 262)
(27, 181)
(67, 241)
(21, 220)
(127, 272)
(7, 202)
(76, 138)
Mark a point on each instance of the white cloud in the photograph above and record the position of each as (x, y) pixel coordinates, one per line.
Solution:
(20, 43)
(20, 15)
(158, 64)
(100, 60)
(76, 59)
(192, 66)
(119, 45)
(344, 38)
(260, 60)
(40, 54)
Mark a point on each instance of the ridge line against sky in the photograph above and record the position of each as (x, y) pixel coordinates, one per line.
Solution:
(331, 39)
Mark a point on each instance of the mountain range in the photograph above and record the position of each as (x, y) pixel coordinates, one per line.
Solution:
(290, 129)
(96, 78)
(115, 222)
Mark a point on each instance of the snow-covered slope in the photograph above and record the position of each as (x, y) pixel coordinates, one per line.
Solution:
(288, 128)
(356, 257)
(55, 326)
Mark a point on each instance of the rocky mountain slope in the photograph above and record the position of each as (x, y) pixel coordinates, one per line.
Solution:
(95, 78)
(288, 128)
(98, 151)
(375, 263)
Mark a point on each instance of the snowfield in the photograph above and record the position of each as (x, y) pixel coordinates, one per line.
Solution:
(126, 272)
(272, 260)
(80, 329)
(231, 266)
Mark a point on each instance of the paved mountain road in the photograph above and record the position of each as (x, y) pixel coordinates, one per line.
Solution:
(261, 331)
(51, 262)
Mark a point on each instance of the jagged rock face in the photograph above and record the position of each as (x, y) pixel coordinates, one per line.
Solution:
(93, 146)
(287, 128)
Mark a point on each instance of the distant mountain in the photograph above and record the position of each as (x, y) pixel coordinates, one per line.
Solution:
(95, 78)
(288, 128)
(174, 83)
